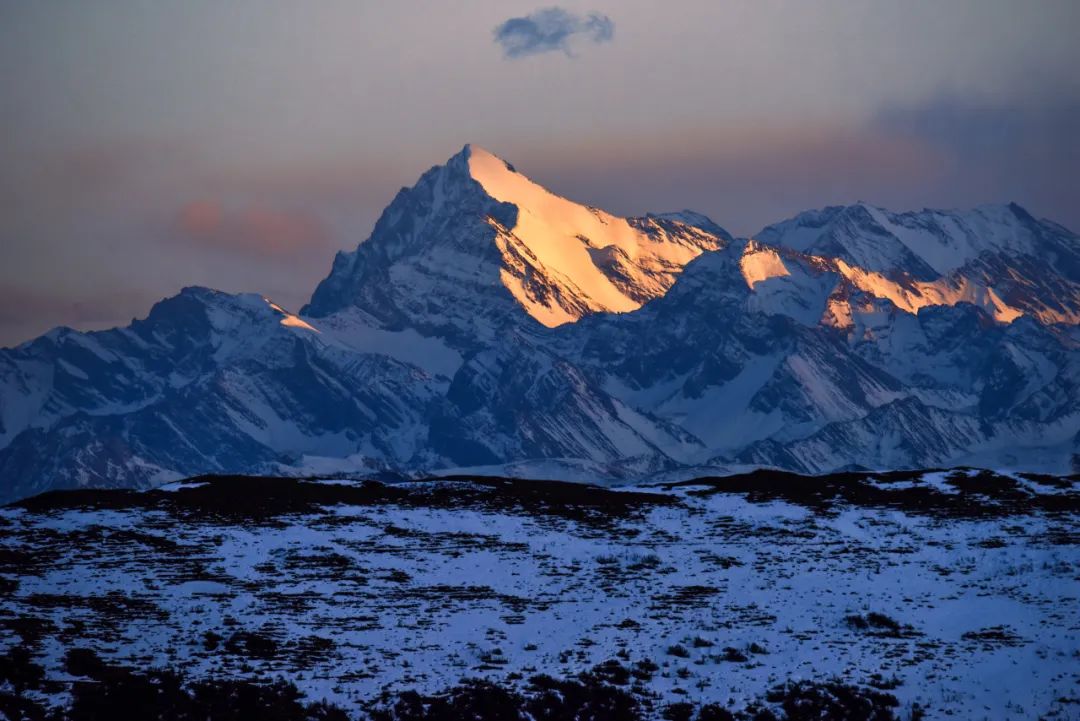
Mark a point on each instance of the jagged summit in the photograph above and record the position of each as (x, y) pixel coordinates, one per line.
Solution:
(926, 244)
(476, 228)
(998, 257)
(693, 219)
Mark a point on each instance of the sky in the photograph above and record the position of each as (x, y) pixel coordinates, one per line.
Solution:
(147, 146)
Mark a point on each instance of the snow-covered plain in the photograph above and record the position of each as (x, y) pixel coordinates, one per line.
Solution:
(957, 592)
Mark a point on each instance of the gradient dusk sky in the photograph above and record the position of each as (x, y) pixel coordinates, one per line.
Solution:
(150, 145)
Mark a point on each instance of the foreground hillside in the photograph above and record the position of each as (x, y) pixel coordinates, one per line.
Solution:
(906, 595)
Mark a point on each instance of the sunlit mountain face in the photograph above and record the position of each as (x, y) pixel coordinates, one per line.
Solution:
(490, 323)
(477, 226)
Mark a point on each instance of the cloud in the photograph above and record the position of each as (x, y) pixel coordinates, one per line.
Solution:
(974, 129)
(259, 231)
(1021, 146)
(551, 29)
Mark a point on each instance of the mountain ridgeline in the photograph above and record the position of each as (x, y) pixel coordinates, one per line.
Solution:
(491, 325)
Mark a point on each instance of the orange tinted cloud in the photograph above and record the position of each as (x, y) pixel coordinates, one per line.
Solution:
(201, 218)
(256, 230)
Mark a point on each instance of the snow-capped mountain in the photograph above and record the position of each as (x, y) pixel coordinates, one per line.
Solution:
(474, 243)
(997, 257)
(211, 380)
(488, 322)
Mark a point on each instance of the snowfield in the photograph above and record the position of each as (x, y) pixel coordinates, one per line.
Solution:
(956, 592)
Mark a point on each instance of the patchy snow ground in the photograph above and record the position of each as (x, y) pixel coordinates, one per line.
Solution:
(956, 591)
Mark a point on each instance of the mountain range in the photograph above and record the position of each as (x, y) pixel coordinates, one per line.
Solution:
(488, 324)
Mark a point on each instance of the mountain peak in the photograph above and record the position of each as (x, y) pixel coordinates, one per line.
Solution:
(499, 178)
(692, 219)
(470, 149)
(471, 153)
(482, 240)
